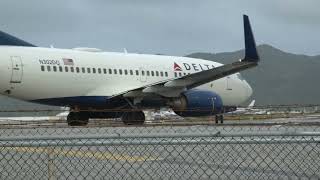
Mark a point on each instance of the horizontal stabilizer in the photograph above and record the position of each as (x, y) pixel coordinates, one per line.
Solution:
(8, 40)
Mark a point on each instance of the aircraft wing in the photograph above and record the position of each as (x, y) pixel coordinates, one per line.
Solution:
(173, 87)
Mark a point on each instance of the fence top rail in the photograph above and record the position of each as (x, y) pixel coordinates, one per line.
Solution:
(163, 135)
(28, 125)
(13, 109)
(139, 142)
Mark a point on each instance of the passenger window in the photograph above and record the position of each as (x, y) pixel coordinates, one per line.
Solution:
(93, 70)
(120, 71)
(60, 68)
(148, 73)
(99, 70)
(125, 72)
(49, 68)
(110, 71)
(131, 72)
(137, 72)
(180, 74)
(166, 74)
(142, 73)
(157, 73)
(71, 69)
(42, 68)
(161, 74)
(66, 69)
(115, 71)
(104, 71)
(83, 70)
(77, 69)
(54, 68)
(152, 73)
(88, 70)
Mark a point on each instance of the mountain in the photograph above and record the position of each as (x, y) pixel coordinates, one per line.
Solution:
(280, 78)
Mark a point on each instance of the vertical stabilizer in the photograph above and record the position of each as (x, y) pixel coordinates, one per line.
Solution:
(9, 40)
(251, 104)
(251, 53)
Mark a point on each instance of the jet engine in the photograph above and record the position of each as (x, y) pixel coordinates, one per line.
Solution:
(196, 103)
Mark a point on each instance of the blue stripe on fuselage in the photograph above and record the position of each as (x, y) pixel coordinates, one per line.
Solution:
(83, 101)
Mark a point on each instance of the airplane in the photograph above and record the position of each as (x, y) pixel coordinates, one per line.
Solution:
(164, 113)
(241, 110)
(97, 84)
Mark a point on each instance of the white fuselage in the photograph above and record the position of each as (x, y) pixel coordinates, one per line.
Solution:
(22, 75)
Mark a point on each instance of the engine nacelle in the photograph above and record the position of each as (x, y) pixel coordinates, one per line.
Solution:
(195, 103)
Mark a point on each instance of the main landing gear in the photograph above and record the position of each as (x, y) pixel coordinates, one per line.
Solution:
(218, 118)
(133, 118)
(78, 118)
(82, 118)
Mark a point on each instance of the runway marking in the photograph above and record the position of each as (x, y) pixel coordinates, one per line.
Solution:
(81, 154)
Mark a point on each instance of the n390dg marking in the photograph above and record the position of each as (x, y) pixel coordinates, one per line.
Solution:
(49, 62)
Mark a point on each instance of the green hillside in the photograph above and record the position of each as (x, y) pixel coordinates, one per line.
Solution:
(280, 78)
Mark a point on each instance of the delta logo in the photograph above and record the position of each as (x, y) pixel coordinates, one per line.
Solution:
(176, 67)
(192, 67)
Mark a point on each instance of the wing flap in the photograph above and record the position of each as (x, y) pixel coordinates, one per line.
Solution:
(218, 72)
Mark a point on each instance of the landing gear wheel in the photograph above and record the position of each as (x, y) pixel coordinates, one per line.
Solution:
(78, 118)
(219, 118)
(133, 118)
(216, 119)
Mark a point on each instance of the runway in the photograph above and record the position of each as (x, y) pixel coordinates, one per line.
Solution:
(162, 152)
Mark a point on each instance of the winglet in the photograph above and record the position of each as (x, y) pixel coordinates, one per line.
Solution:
(251, 53)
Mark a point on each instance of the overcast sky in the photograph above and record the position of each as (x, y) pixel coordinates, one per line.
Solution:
(164, 26)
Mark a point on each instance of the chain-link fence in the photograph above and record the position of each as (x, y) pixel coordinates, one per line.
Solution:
(201, 151)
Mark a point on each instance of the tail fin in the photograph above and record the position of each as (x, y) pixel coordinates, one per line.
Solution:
(8, 40)
(251, 104)
(250, 44)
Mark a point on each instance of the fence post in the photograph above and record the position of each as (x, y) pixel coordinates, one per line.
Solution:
(51, 166)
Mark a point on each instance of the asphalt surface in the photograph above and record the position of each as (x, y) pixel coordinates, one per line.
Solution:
(121, 155)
